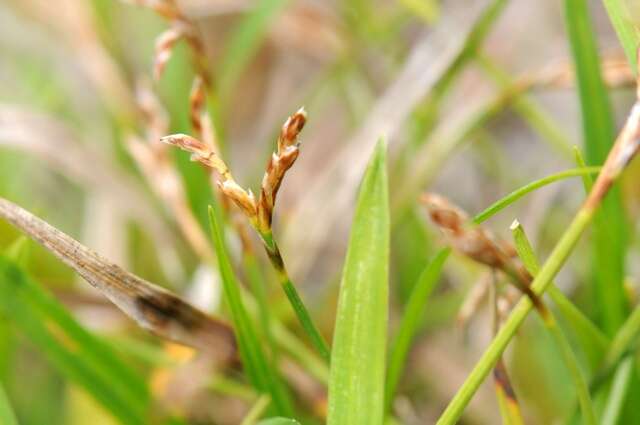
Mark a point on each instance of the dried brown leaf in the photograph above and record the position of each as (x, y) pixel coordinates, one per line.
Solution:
(151, 306)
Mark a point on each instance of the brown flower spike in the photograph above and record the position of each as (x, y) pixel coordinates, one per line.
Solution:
(478, 243)
(260, 213)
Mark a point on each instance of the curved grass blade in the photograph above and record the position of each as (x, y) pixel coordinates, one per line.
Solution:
(262, 376)
(509, 199)
(151, 306)
(410, 322)
(356, 382)
(67, 358)
(610, 233)
(7, 417)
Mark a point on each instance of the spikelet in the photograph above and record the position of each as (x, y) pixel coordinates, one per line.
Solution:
(285, 156)
(260, 213)
(478, 243)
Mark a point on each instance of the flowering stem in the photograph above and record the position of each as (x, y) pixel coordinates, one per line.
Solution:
(292, 294)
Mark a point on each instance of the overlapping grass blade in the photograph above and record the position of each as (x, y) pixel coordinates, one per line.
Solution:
(262, 376)
(7, 416)
(525, 251)
(610, 232)
(74, 355)
(410, 322)
(356, 383)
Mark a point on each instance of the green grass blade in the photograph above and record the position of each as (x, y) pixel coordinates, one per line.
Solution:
(590, 337)
(262, 376)
(626, 27)
(356, 383)
(509, 199)
(410, 322)
(619, 390)
(69, 359)
(599, 133)
(525, 251)
(245, 40)
(7, 417)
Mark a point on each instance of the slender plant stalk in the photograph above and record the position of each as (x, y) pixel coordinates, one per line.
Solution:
(525, 251)
(506, 395)
(625, 148)
(294, 298)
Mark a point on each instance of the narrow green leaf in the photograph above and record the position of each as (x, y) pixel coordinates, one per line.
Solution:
(525, 251)
(245, 40)
(610, 238)
(356, 382)
(7, 417)
(410, 322)
(626, 27)
(73, 357)
(262, 376)
(509, 199)
(618, 394)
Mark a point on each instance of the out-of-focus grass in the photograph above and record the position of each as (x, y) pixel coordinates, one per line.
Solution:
(251, 47)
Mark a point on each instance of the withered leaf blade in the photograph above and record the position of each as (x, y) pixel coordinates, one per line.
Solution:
(151, 306)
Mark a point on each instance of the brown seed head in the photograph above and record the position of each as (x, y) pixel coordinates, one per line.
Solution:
(472, 241)
(290, 130)
(278, 164)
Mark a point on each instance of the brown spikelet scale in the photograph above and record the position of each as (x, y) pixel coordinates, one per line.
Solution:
(163, 49)
(196, 104)
(283, 159)
(472, 241)
(478, 243)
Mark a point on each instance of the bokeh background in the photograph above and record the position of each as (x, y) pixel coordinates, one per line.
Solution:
(69, 70)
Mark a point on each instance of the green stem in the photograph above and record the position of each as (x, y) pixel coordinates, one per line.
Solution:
(294, 298)
(258, 287)
(561, 252)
